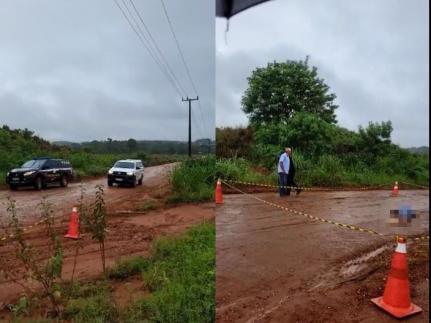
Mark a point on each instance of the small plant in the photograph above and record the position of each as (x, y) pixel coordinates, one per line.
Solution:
(96, 222)
(21, 307)
(83, 219)
(47, 273)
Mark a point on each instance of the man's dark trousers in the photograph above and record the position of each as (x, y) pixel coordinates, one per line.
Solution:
(290, 182)
(282, 182)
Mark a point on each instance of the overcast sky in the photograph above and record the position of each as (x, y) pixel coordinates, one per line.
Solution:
(75, 70)
(374, 55)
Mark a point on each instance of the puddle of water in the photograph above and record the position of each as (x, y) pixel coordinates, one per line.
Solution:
(354, 266)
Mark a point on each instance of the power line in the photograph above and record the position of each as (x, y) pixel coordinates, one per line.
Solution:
(147, 44)
(161, 60)
(171, 81)
(155, 44)
(178, 45)
(182, 56)
(158, 53)
(199, 126)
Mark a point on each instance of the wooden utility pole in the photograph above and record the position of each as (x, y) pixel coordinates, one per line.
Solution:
(190, 121)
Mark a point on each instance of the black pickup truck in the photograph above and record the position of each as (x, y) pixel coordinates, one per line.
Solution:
(39, 172)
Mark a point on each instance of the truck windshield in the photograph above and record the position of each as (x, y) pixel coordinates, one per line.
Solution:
(34, 163)
(124, 165)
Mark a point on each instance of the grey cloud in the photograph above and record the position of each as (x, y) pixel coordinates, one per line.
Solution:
(374, 56)
(80, 62)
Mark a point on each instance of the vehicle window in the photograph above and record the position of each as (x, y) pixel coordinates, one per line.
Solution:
(124, 165)
(49, 164)
(56, 163)
(34, 163)
(140, 165)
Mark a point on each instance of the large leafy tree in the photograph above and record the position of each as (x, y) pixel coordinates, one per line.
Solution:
(278, 91)
(306, 132)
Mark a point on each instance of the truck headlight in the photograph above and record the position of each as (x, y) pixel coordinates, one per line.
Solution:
(130, 173)
(28, 173)
(110, 172)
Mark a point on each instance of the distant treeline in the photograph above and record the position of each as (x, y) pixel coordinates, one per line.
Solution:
(423, 150)
(110, 146)
(88, 159)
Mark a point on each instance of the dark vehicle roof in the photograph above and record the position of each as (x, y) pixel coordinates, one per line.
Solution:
(43, 158)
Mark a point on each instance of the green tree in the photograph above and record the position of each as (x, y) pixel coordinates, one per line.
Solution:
(278, 91)
(376, 138)
(132, 144)
(305, 131)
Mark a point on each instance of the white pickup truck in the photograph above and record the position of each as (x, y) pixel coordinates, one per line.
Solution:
(126, 172)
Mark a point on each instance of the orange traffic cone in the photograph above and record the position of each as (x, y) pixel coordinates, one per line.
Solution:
(396, 297)
(218, 193)
(395, 191)
(73, 232)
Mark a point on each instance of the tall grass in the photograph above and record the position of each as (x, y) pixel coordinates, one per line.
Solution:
(241, 169)
(326, 170)
(193, 180)
(181, 277)
(179, 274)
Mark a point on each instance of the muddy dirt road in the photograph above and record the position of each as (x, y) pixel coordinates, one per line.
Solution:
(276, 267)
(63, 199)
(129, 233)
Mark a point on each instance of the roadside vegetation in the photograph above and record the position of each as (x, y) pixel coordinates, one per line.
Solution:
(193, 180)
(288, 105)
(20, 145)
(178, 276)
(177, 279)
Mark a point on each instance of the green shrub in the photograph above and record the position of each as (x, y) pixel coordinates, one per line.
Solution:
(128, 267)
(193, 180)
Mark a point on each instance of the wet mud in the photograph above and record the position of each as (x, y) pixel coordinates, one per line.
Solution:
(275, 266)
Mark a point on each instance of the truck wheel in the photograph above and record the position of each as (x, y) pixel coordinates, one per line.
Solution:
(109, 183)
(64, 181)
(38, 183)
(13, 187)
(134, 182)
(140, 180)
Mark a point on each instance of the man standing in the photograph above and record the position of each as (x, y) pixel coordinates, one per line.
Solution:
(291, 173)
(283, 170)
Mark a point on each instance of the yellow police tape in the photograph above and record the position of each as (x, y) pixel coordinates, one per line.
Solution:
(416, 185)
(302, 188)
(342, 225)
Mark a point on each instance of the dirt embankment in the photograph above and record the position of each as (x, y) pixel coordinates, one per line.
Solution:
(129, 232)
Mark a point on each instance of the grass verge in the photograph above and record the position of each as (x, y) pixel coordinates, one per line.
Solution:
(193, 180)
(180, 275)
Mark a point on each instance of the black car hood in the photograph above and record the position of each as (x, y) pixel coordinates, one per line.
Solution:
(21, 170)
